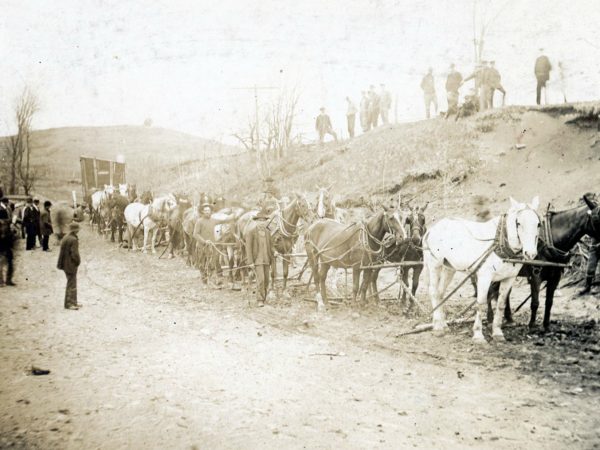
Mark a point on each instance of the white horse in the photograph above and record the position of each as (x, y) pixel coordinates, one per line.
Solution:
(99, 199)
(149, 216)
(460, 245)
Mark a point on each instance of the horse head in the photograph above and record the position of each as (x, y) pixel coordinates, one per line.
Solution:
(302, 206)
(392, 224)
(123, 189)
(415, 220)
(523, 226)
(324, 202)
(593, 214)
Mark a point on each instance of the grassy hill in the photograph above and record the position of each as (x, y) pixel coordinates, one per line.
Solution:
(441, 162)
(147, 151)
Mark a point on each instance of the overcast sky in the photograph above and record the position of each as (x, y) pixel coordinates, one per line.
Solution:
(181, 63)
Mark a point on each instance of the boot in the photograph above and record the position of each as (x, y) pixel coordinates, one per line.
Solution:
(588, 286)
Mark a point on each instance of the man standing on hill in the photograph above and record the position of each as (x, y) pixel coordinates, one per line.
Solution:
(364, 112)
(542, 74)
(428, 86)
(495, 83)
(374, 105)
(453, 82)
(6, 215)
(323, 126)
(68, 261)
(351, 116)
(385, 103)
(259, 254)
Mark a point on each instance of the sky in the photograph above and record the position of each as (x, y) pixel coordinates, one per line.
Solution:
(190, 65)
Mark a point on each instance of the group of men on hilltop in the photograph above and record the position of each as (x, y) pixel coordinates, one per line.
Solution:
(376, 105)
(373, 107)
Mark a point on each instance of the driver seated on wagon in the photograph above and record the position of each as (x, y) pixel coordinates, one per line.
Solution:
(270, 200)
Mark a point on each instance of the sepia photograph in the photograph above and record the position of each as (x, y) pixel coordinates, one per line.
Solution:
(323, 224)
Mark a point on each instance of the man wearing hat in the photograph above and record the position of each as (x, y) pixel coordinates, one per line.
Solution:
(428, 87)
(453, 82)
(31, 220)
(323, 126)
(6, 215)
(46, 225)
(5, 211)
(271, 195)
(68, 261)
(494, 80)
(259, 254)
(204, 235)
(542, 74)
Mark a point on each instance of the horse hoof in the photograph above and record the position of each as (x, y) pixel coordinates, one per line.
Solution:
(440, 332)
(479, 339)
(321, 308)
(498, 338)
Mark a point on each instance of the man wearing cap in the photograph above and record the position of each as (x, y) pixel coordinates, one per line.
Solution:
(495, 83)
(323, 126)
(542, 74)
(68, 261)
(31, 222)
(428, 86)
(259, 254)
(46, 225)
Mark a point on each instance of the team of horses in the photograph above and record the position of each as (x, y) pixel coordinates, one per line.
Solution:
(390, 233)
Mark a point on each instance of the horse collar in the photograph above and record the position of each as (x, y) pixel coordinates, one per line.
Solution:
(503, 248)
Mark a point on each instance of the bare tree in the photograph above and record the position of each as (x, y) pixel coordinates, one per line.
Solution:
(271, 134)
(18, 146)
(484, 16)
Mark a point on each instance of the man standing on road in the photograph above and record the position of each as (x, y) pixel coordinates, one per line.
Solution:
(542, 74)
(323, 126)
(6, 215)
(428, 86)
(385, 103)
(259, 254)
(30, 223)
(453, 82)
(68, 261)
(46, 225)
(351, 116)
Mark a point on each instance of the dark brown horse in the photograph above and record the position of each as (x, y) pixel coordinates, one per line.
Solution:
(284, 230)
(332, 244)
(560, 231)
(410, 249)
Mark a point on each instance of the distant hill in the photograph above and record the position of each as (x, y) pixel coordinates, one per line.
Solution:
(147, 151)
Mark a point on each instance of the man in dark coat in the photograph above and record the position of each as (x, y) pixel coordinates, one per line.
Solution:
(68, 261)
(259, 254)
(46, 225)
(38, 213)
(7, 239)
(323, 126)
(428, 86)
(31, 220)
(542, 74)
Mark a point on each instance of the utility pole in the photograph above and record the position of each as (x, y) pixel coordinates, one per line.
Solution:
(259, 156)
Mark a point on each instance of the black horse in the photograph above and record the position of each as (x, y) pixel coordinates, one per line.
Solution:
(409, 249)
(560, 231)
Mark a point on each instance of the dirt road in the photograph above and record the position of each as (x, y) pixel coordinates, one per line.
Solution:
(152, 361)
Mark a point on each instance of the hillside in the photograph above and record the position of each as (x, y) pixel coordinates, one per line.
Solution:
(147, 150)
(442, 162)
